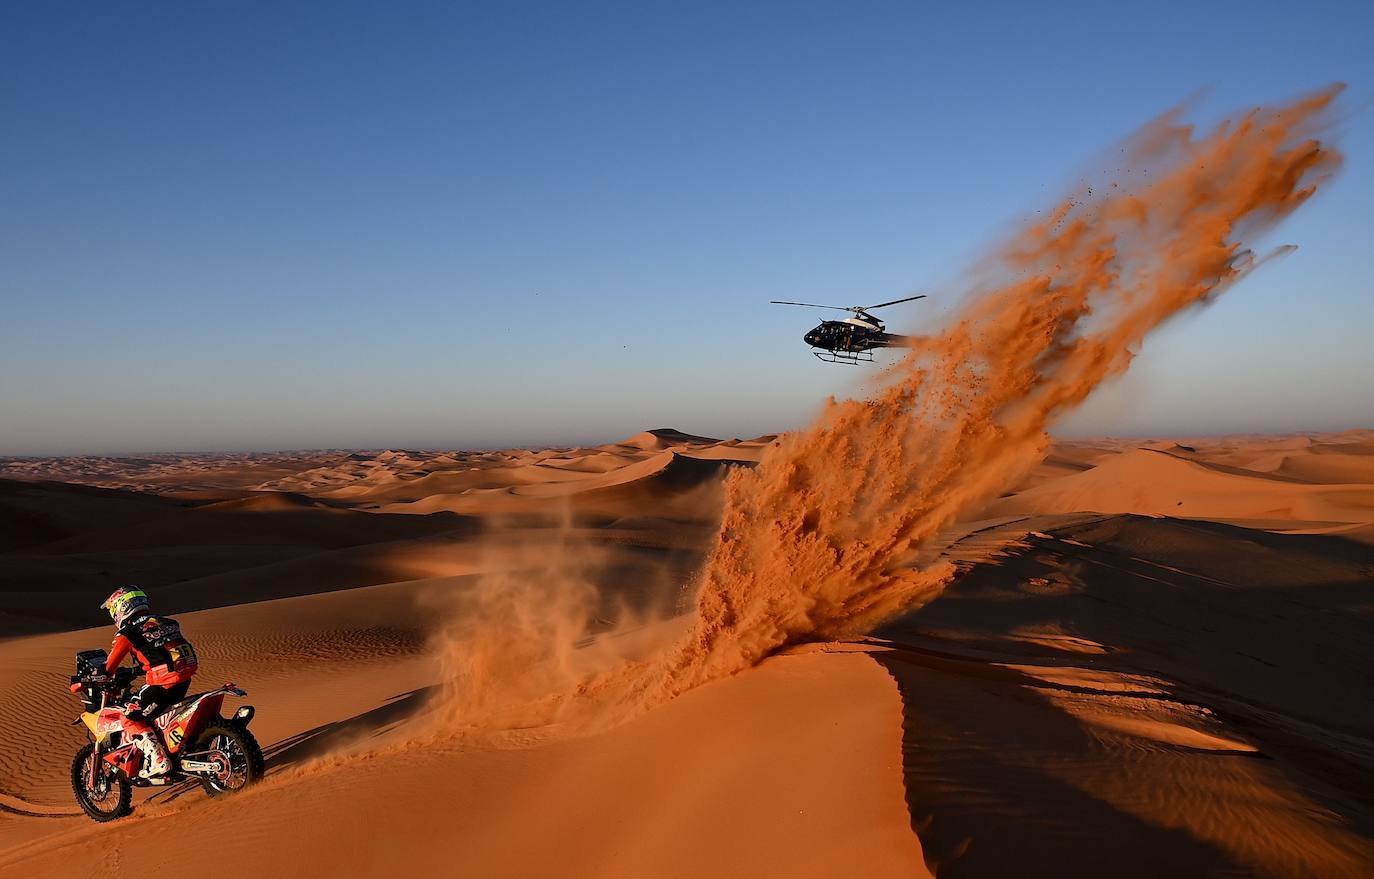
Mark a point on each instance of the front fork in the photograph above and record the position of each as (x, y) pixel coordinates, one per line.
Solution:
(93, 778)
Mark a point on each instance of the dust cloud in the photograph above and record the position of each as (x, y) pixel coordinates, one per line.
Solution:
(817, 541)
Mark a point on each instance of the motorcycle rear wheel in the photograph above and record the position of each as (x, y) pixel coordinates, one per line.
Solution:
(246, 764)
(114, 795)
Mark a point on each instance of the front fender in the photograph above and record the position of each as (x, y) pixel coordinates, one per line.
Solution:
(92, 721)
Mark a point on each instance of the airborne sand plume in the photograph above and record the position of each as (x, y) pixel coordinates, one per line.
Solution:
(813, 542)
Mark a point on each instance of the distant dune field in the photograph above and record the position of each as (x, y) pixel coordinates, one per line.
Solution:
(1158, 659)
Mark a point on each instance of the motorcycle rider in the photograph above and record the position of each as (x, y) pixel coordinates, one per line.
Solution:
(168, 662)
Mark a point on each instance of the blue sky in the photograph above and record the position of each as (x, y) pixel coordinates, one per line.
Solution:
(287, 225)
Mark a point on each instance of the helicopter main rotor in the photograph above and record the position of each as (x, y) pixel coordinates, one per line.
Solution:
(856, 309)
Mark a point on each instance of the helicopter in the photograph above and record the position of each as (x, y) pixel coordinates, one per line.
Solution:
(853, 339)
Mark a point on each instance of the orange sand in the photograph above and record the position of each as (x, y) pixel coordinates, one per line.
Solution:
(1102, 691)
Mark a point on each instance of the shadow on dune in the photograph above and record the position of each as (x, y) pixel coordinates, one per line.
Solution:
(1269, 631)
(194, 557)
(330, 737)
(993, 779)
(1247, 621)
(325, 738)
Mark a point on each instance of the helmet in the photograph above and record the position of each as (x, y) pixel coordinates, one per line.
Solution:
(123, 602)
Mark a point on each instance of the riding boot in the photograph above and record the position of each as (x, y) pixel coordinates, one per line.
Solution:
(155, 762)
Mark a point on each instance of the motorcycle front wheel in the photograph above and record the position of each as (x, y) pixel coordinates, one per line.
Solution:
(112, 795)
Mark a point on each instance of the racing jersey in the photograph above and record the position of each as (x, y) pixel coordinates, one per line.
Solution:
(158, 645)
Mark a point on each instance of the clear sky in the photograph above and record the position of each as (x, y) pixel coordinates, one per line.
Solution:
(337, 224)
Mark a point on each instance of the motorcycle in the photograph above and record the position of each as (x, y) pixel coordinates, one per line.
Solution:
(200, 743)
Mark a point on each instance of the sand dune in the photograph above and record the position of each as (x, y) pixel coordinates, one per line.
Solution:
(745, 452)
(1163, 483)
(1328, 467)
(607, 806)
(35, 513)
(1249, 638)
(1146, 668)
(666, 471)
(172, 474)
(668, 483)
(591, 462)
(665, 437)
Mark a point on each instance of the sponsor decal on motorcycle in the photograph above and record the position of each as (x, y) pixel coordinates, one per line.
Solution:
(105, 771)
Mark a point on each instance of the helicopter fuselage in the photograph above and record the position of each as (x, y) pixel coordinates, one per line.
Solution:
(851, 336)
(853, 339)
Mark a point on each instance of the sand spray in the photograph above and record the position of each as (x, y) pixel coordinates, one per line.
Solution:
(817, 541)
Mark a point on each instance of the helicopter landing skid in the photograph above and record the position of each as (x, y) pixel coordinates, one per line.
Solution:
(853, 358)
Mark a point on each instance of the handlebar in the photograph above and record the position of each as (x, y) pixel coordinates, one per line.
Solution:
(123, 675)
(92, 685)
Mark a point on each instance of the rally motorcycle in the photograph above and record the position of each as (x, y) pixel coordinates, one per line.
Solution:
(200, 743)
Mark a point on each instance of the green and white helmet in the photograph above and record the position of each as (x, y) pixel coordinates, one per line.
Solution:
(123, 602)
